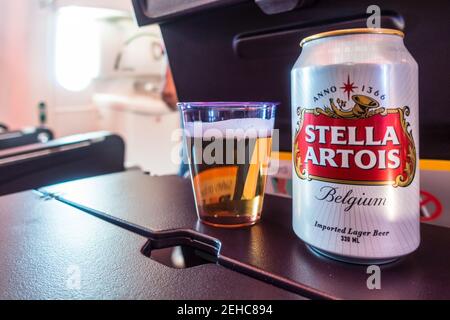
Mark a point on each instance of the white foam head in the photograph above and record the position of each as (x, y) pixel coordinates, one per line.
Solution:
(233, 128)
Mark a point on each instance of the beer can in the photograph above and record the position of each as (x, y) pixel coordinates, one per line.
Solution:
(355, 145)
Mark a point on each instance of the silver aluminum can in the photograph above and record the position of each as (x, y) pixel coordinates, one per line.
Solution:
(355, 145)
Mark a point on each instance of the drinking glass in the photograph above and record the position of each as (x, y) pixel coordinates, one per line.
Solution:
(228, 147)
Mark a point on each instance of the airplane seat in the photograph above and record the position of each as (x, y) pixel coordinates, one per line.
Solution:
(61, 160)
(245, 49)
(17, 138)
(3, 127)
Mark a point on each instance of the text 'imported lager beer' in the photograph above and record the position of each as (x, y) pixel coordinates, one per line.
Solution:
(355, 145)
(228, 162)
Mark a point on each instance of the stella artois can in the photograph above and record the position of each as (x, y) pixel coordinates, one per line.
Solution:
(355, 145)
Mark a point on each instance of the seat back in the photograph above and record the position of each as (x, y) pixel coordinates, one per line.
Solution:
(61, 160)
(12, 139)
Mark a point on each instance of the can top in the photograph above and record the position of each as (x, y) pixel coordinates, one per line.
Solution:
(342, 32)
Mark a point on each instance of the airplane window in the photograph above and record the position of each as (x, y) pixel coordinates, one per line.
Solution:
(77, 52)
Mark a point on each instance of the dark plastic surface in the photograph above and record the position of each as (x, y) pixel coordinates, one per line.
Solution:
(12, 139)
(45, 245)
(157, 11)
(162, 208)
(3, 127)
(216, 64)
(60, 160)
(277, 6)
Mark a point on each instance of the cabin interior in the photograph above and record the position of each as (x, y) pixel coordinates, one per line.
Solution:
(96, 198)
(84, 66)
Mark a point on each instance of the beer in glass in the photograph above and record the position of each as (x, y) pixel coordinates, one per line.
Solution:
(228, 147)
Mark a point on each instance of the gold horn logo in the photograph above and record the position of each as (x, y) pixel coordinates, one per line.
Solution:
(363, 104)
(364, 107)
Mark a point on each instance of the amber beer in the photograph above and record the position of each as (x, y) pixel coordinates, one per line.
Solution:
(229, 170)
(355, 145)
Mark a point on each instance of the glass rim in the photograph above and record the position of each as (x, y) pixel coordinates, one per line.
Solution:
(228, 105)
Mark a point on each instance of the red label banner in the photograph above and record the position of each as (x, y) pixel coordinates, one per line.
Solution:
(370, 148)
